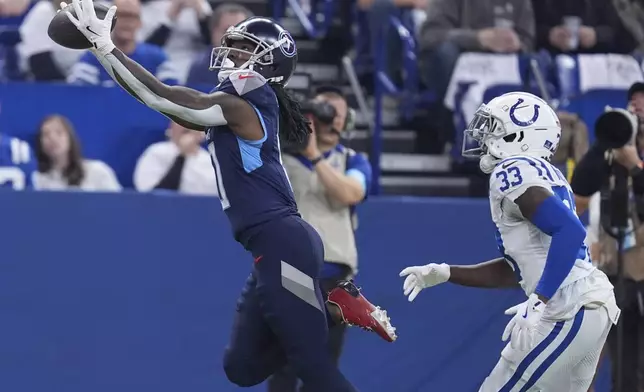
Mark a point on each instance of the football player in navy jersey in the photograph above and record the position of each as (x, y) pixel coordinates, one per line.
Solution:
(282, 314)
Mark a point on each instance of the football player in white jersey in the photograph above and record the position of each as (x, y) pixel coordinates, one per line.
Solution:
(557, 335)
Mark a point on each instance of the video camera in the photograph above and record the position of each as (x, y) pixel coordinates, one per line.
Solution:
(323, 115)
(615, 128)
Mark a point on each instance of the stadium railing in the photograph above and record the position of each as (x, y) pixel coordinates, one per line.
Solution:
(315, 24)
(408, 93)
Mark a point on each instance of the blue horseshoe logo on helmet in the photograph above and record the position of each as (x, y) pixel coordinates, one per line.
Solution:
(520, 123)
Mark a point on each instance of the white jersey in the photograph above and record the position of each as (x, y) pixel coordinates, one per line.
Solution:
(526, 247)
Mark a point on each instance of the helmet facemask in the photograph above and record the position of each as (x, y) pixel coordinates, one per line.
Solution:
(483, 128)
(261, 55)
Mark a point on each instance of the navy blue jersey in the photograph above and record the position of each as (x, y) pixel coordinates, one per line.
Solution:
(17, 163)
(252, 183)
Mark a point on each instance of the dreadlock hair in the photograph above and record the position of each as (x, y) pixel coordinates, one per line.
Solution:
(294, 126)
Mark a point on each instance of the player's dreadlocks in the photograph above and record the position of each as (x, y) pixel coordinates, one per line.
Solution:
(293, 125)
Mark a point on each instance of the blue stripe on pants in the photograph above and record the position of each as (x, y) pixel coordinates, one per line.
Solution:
(527, 361)
(530, 358)
(576, 325)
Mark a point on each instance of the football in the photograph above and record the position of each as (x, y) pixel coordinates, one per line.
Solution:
(63, 32)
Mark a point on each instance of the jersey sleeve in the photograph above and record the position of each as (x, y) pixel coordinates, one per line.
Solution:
(358, 167)
(512, 177)
(250, 86)
(87, 71)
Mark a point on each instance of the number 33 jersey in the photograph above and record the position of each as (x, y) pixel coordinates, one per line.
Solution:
(525, 247)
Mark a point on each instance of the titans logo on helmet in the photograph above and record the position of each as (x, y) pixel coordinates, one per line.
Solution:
(288, 47)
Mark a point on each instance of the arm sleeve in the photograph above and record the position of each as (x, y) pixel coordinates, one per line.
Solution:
(159, 99)
(358, 167)
(151, 167)
(172, 178)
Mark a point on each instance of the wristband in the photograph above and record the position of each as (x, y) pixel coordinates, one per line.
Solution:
(317, 160)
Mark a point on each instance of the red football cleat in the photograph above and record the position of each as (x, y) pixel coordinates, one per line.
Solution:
(356, 310)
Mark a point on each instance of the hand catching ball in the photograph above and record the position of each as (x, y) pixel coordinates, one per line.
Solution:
(63, 32)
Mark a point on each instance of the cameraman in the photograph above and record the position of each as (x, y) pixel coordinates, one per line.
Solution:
(591, 187)
(328, 180)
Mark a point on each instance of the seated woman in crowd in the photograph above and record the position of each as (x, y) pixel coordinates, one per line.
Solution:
(60, 162)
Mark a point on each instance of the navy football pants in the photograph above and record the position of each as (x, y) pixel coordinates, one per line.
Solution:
(281, 316)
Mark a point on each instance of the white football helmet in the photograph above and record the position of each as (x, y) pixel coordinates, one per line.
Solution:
(512, 124)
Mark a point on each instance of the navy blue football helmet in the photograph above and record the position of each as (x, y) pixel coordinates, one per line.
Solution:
(258, 44)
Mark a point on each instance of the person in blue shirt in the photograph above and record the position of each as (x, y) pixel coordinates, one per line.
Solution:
(17, 163)
(88, 70)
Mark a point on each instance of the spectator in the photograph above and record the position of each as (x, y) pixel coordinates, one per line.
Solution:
(636, 101)
(180, 27)
(631, 13)
(581, 26)
(41, 57)
(179, 164)
(455, 26)
(328, 181)
(13, 7)
(573, 144)
(12, 13)
(224, 16)
(17, 163)
(60, 162)
(89, 71)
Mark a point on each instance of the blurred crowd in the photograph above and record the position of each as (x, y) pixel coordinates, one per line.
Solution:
(173, 39)
(445, 29)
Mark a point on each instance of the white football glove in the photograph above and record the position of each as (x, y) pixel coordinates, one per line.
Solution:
(97, 31)
(421, 277)
(523, 325)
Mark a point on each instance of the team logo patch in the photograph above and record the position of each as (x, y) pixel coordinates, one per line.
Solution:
(535, 114)
(288, 47)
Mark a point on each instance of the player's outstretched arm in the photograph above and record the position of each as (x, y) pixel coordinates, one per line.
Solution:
(190, 108)
(187, 107)
(559, 221)
(494, 273)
